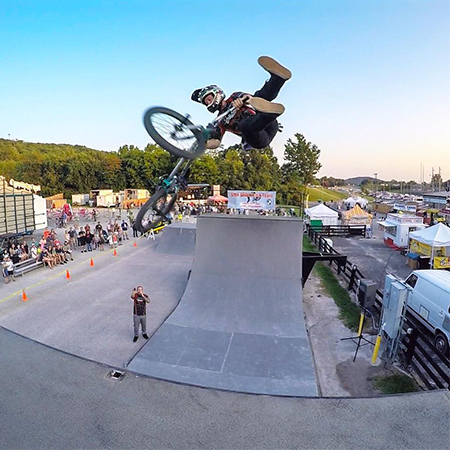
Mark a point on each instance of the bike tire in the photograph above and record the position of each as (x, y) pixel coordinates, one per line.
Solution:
(158, 215)
(184, 143)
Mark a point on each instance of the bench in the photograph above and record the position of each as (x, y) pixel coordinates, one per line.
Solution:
(26, 266)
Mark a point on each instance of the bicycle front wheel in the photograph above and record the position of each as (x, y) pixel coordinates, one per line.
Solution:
(174, 132)
(155, 211)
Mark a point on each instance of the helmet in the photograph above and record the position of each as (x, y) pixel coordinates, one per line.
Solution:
(199, 95)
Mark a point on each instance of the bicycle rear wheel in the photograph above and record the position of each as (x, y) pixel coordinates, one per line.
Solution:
(155, 211)
(174, 132)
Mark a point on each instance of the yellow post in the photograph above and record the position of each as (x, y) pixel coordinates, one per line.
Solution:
(376, 349)
(361, 324)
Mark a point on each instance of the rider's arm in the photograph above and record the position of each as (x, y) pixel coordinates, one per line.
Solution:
(239, 102)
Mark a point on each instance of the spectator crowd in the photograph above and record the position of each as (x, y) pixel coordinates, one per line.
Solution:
(57, 247)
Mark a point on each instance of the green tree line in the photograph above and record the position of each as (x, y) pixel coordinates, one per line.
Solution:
(77, 169)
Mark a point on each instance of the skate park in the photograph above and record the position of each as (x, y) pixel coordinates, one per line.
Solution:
(59, 347)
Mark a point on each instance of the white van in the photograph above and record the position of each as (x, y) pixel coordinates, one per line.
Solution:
(429, 298)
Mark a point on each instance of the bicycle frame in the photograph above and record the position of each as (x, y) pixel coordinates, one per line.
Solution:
(172, 180)
(229, 112)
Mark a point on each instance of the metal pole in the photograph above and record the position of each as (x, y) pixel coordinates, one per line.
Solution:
(376, 186)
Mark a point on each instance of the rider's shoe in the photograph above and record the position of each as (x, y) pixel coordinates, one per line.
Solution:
(211, 144)
(265, 106)
(274, 67)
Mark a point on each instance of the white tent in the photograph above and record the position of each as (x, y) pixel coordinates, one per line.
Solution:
(323, 213)
(437, 238)
(352, 201)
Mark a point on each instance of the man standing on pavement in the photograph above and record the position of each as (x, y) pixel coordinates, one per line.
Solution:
(140, 301)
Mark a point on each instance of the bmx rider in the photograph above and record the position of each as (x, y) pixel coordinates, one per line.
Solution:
(256, 119)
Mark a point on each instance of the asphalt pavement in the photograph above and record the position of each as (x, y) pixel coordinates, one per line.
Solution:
(372, 256)
(53, 399)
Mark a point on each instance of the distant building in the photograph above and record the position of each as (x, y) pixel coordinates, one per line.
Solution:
(438, 200)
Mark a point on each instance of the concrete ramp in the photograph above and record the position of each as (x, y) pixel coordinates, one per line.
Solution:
(239, 325)
(177, 239)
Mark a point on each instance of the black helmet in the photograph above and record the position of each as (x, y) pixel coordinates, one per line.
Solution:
(199, 95)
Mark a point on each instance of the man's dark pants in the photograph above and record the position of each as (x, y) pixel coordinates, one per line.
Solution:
(260, 129)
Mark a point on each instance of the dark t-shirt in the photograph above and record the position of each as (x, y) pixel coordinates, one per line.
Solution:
(139, 307)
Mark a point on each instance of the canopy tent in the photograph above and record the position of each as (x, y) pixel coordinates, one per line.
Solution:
(434, 242)
(218, 198)
(436, 236)
(322, 212)
(356, 216)
(353, 201)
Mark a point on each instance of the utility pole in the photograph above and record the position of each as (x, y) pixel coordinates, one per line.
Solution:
(376, 186)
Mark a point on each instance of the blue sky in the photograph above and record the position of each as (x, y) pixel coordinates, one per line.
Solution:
(370, 86)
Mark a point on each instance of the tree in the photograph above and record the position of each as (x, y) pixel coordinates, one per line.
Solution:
(300, 169)
(302, 160)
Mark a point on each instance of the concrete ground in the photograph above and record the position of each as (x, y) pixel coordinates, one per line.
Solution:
(90, 314)
(52, 399)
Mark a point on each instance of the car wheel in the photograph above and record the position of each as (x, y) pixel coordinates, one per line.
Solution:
(441, 344)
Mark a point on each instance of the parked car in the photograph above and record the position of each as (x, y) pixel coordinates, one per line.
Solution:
(429, 300)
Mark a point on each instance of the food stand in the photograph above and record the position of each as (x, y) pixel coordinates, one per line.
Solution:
(430, 248)
(397, 227)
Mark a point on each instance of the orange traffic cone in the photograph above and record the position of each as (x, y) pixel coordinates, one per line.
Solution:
(67, 274)
(134, 244)
(114, 252)
(92, 262)
(24, 296)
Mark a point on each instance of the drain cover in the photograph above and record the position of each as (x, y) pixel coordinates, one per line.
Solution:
(116, 375)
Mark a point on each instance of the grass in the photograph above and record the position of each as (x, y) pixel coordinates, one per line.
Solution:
(307, 245)
(394, 384)
(349, 312)
(326, 195)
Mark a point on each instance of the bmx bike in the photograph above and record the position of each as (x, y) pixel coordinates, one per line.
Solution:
(176, 134)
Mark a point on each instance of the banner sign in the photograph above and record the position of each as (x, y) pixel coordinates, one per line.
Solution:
(254, 200)
(424, 249)
(419, 247)
(441, 262)
(404, 207)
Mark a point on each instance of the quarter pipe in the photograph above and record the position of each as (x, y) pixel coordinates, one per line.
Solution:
(239, 325)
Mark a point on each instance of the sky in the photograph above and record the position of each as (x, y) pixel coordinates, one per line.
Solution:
(370, 85)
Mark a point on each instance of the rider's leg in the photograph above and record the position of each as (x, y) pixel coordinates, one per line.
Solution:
(256, 123)
(261, 138)
(278, 76)
(271, 88)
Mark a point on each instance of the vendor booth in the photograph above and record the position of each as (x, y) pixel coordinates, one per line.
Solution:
(430, 248)
(397, 228)
(321, 212)
(356, 216)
